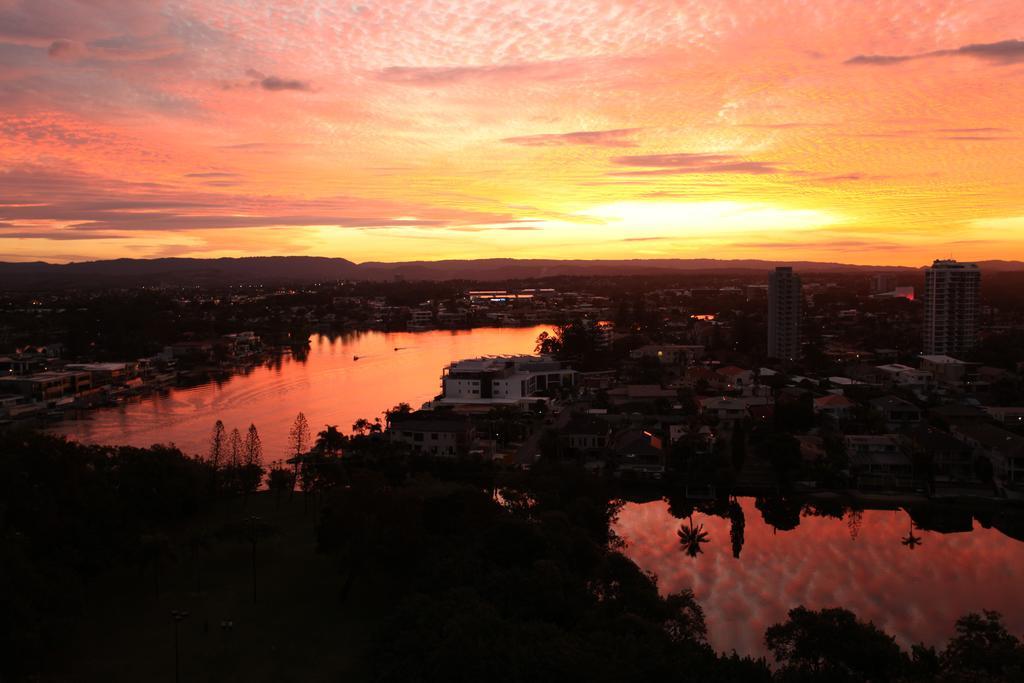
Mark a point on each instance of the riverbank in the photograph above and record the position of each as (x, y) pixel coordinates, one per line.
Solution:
(326, 383)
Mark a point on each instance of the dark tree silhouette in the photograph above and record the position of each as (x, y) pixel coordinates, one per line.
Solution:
(736, 527)
(298, 435)
(218, 445)
(280, 481)
(982, 649)
(330, 441)
(833, 645)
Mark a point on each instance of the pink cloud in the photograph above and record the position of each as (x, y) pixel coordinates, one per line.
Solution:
(599, 138)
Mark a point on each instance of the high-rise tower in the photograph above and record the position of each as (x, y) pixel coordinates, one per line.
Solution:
(785, 301)
(950, 307)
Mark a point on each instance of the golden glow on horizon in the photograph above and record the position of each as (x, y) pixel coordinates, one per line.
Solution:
(683, 219)
(612, 129)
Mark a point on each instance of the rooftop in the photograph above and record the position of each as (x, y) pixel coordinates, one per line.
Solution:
(938, 359)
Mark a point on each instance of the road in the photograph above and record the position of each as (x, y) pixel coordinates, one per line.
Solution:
(529, 449)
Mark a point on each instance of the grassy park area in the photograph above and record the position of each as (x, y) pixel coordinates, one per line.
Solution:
(301, 626)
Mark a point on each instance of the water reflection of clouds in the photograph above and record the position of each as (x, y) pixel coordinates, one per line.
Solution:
(915, 595)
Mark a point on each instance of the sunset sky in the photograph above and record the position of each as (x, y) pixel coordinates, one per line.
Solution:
(875, 132)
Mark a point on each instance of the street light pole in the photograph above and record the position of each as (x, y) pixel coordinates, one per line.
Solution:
(252, 537)
(177, 616)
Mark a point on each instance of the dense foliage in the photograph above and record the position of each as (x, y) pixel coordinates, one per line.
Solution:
(67, 513)
(516, 578)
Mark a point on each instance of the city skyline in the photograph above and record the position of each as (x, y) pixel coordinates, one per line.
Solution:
(860, 133)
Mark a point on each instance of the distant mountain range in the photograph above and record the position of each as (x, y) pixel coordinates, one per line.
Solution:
(304, 269)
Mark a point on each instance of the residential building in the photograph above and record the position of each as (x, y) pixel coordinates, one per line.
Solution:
(734, 378)
(1008, 415)
(950, 459)
(502, 379)
(670, 354)
(899, 375)
(812, 447)
(951, 307)
(586, 433)
(947, 371)
(421, 318)
(638, 455)
(106, 373)
(784, 311)
(428, 433)
(641, 393)
(700, 378)
(957, 413)
(1004, 449)
(882, 283)
(731, 408)
(878, 460)
(835, 406)
(47, 386)
(897, 412)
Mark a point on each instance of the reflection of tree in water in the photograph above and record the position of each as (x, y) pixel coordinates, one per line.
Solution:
(736, 528)
(853, 522)
(825, 508)
(679, 506)
(910, 540)
(783, 514)
(691, 538)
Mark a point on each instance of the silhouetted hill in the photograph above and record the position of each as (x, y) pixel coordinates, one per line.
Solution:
(303, 269)
(175, 271)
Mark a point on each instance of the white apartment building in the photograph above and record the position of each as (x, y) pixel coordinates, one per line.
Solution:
(502, 379)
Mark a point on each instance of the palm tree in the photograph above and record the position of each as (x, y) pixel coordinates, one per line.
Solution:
(330, 440)
(692, 537)
(398, 410)
(361, 426)
(910, 541)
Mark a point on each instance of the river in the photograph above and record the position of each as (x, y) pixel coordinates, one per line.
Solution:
(915, 594)
(329, 386)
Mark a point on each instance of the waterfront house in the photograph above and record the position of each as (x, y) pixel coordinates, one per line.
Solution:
(1003, 448)
(433, 434)
(948, 458)
(638, 455)
(47, 386)
(878, 460)
(106, 373)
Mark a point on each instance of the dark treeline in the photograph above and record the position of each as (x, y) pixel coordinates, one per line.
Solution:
(489, 575)
(70, 512)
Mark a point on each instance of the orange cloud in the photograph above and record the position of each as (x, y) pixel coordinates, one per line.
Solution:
(463, 119)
